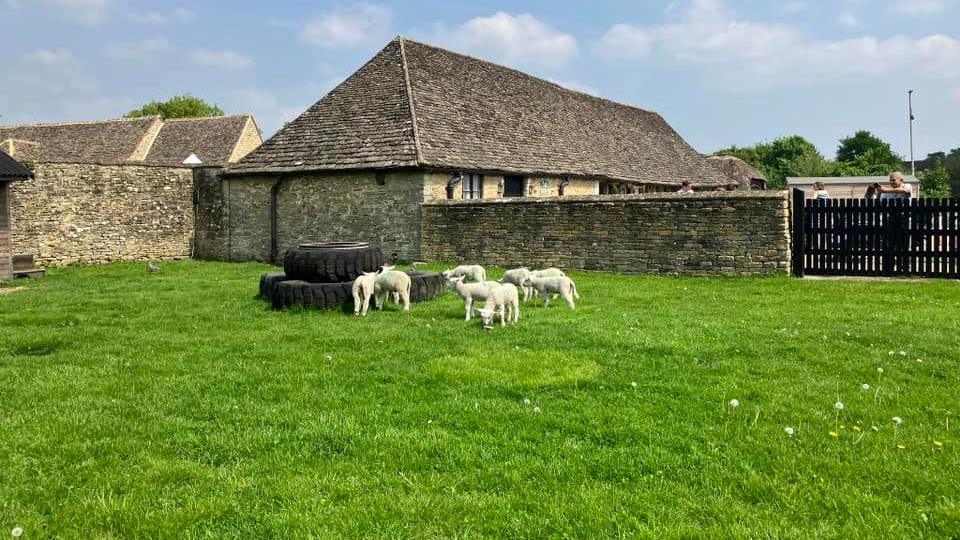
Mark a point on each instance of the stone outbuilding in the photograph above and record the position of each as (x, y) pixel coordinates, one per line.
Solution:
(739, 172)
(116, 189)
(418, 123)
(10, 171)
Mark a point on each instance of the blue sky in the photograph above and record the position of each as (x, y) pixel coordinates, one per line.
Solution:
(721, 72)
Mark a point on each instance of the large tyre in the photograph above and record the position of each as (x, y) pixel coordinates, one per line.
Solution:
(425, 285)
(331, 263)
(268, 282)
(293, 293)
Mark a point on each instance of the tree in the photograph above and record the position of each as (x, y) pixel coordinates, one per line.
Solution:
(952, 163)
(185, 106)
(865, 154)
(935, 181)
(785, 156)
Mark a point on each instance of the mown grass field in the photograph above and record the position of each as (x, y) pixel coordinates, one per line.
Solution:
(178, 405)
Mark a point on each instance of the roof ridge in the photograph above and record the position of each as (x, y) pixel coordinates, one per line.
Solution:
(515, 70)
(80, 123)
(413, 111)
(204, 118)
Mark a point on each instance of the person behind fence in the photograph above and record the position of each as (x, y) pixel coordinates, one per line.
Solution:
(685, 187)
(820, 191)
(897, 189)
(872, 192)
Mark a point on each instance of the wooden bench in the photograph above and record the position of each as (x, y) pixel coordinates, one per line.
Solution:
(24, 267)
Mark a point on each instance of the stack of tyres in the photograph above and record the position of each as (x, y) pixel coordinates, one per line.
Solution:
(320, 276)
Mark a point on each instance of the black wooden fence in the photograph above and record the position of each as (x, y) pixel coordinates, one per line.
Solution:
(863, 237)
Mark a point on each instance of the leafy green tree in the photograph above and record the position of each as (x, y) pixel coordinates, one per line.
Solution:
(935, 181)
(952, 163)
(785, 156)
(864, 154)
(185, 106)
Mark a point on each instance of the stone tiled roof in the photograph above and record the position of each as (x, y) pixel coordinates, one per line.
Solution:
(736, 170)
(418, 105)
(10, 169)
(147, 140)
(211, 139)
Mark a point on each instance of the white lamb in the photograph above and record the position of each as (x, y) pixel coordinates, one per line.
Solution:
(503, 301)
(546, 272)
(473, 272)
(393, 281)
(363, 288)
(516, 276)
(471, 291)
(545, 286)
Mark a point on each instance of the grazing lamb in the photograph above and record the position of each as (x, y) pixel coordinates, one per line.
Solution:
(548, 272)
(393, 281)
(471, 291)
(473, 272)
(545, 286)
(516, 276)
(363, 288)
(504, 301)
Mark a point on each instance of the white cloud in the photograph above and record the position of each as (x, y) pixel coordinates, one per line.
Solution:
(848, 18)
(49, 57)
(348, 26)
(511, 39)
(752, 55)
(82, 11)
(226, 59)
(921, 7)
(182, 15)
(139, 50)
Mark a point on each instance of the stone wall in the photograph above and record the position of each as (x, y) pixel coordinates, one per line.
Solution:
(85, 213)
(6, 267)
(435, 186)
(235, 222)
(736, 233)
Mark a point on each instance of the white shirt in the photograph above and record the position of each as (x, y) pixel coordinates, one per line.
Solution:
(908, 195)
(821, 194)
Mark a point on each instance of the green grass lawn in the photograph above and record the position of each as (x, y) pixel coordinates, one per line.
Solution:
(178, 405)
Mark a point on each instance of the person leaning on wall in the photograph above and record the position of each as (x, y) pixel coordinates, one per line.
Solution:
(685, 187)
(820, 191)
(896, 189)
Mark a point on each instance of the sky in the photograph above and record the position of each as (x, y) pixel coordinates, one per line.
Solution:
(721, 72)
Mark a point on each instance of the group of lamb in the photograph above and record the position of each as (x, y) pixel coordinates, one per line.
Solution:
(502, 297)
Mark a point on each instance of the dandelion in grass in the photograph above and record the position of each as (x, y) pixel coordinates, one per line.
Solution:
(903, 353)
(856, 428)
(536, 410)
(526, 401)
(834, 434)
(891, 353)
(897, 420)
(865, 386)
(789, 431)
(17, 532)
(896, 426)
(734, 403)
(838, 405)
(875, 428)
(901, 446)
(937, 445)
(880, 370)
(633, 385)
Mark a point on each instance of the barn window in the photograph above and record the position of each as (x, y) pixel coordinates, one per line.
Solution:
(512, 186)
(473, 186)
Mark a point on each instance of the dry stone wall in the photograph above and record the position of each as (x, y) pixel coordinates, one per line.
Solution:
(738, 233)
(88, 214)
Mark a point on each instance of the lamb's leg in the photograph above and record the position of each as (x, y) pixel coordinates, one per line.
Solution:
(405, 296)
(516, 312)
(503, 309)
(378, 300)
(366, 303)
(357, 304)
(568, 296)
(546, 298)
(469, 304)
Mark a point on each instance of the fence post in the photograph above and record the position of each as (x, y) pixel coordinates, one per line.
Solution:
(797, 236)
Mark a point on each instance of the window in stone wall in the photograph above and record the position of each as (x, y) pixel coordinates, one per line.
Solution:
(472, 186)
(512, 186)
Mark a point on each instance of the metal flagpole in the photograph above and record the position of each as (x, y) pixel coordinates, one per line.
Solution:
(913, 164)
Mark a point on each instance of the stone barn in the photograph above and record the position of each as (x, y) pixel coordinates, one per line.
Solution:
(418, 123)
(740, 173)
(10, 171)
(117, 189)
